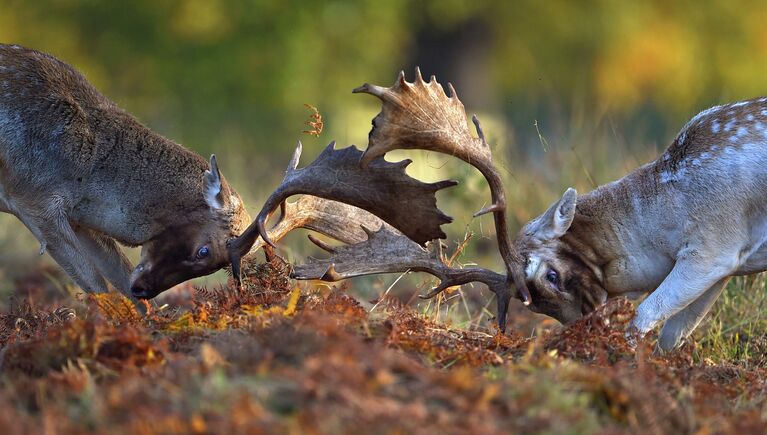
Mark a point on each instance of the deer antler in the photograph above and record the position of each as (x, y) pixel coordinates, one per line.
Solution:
(332, 218)
(383, 189)
(384, 251)
(420, 115)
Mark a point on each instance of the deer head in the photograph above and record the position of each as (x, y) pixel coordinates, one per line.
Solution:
(398, 214)
(194, 244)
(561, 282)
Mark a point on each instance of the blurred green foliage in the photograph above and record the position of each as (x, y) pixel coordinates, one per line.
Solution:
(608, 83)
(217, 74)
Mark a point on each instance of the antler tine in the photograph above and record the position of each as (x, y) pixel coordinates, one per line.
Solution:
(387, 252)
(262, 218)
(451, 93)
(324, 246)
(401, 79)
(237, 247)
(283, 211)
(426, 118)
(367, 88)
(418, 76)
(478, 127)
(293, 164)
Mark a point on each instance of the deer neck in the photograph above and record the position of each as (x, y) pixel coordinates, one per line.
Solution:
(138, 182)
(615, 232)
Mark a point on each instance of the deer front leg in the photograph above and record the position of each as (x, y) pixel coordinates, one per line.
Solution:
(108, 258)
(64, 246)
(104, 252)
(681, 324)
(688, 281)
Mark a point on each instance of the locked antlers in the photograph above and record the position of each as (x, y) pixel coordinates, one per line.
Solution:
(386, 218)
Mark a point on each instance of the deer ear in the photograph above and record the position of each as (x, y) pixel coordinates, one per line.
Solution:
(557, 219)
(212, 185)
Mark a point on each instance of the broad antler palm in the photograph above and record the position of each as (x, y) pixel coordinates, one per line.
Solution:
(385, 217)
(383, 189)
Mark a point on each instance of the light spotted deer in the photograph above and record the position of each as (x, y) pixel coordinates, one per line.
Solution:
(676, 228)
(83, 175)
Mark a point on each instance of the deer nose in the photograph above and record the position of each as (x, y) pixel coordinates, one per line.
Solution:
(138, 287)
(139, 291)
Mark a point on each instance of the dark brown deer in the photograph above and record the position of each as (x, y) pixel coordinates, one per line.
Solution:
(83, 175)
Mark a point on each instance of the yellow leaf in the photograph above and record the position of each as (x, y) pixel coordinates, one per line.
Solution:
(259, 310)
(115, 306)
(295, 294)
(253, 310)
(183, 323)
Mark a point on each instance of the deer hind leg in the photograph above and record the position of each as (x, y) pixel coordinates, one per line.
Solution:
(681, 324)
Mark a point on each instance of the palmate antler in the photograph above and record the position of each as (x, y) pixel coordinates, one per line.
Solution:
(420, 115)
(334, 219)
(383, 189)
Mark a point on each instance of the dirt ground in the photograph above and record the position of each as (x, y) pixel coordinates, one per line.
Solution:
(275, 357)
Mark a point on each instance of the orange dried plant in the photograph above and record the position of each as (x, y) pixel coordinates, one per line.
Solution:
(315, 122)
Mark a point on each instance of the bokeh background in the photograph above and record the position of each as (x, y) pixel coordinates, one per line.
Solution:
(571, 93)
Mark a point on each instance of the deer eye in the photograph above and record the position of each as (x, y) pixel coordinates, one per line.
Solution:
(203, 252)
(552, 277)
